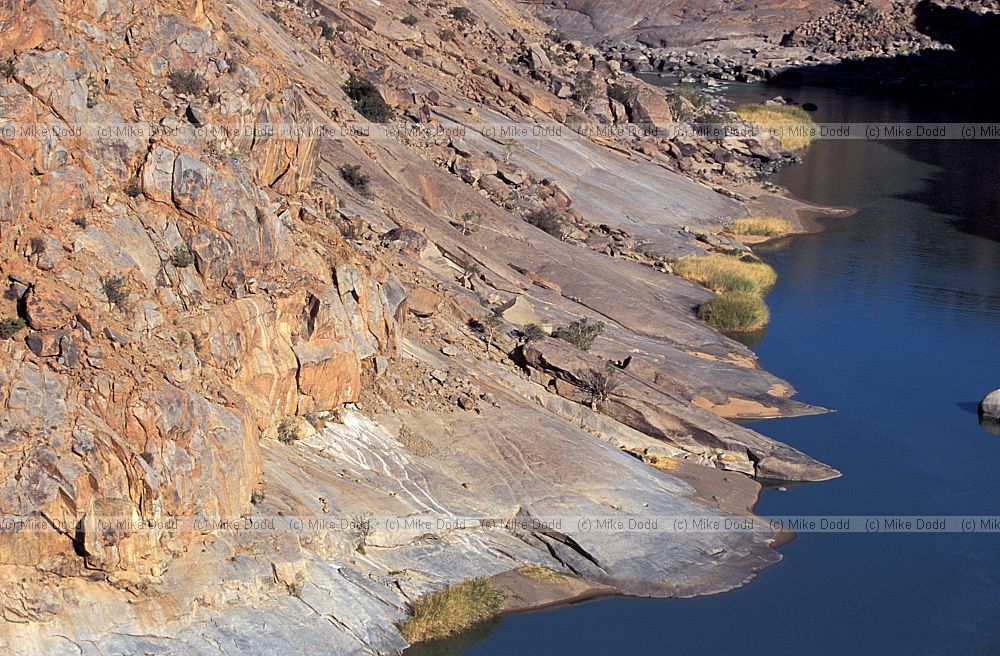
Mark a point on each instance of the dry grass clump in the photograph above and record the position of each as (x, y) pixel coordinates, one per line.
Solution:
(453, 610)
(767, 226)
(791, 125)
(544, 574)
(727, 273)
(736, 311)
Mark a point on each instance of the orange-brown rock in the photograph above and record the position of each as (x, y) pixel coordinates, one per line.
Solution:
(423, 302)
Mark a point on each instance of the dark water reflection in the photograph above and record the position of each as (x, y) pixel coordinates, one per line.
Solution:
(892, 317)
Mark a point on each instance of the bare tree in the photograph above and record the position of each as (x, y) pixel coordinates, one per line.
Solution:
(600, 384)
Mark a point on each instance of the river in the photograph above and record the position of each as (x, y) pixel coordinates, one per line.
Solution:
(892, 318)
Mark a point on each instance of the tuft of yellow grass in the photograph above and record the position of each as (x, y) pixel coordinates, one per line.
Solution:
(454, 609)
(544, 574)
(736, 312)
(766, 226)
(792, 126)
(726, 273)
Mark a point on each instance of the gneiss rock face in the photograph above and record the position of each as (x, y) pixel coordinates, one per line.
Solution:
(678, 22)
(990, 405)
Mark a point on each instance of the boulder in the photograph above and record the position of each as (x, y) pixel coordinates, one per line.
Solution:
(405, 240)
(650, 107)
(329, 374)
(519, 311)
(45, 343)
(990, 406)
(423, 302)
(48, 308)
(539, 60)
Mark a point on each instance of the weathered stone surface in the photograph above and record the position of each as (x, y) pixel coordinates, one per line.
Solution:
(519, 311)
(990, 405)
(45, 343)
(423, 302)
(328, 375)
(168, 405)
(654, 411)
(48, 308)
(649, 107)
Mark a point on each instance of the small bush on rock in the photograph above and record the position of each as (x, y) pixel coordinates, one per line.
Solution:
(116, 290)
(11, 326)
(367, 100)
(288, 430)
(463, 14)
(580, 333)
(547, 219)
(187, 83)
(600, 384)
(182, 257)
(358, 179)
(622, 94)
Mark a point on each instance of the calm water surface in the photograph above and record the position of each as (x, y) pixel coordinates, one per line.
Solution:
(892, 317)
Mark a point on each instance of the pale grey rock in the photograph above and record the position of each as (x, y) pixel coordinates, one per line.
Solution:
(990, 405)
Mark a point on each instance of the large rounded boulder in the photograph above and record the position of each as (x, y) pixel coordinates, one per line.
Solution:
(990, 406)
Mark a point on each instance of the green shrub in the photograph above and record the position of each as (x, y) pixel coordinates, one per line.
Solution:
(586, 91)
(548, 219)
(358, 179)
(736, 312)
(287, 430)
(326, 30)
(367, 100)
(133, 189)
(453, 610)
(410, 20)
(688, 101)
(116, 290)
(187, 82)
(446, 35)
(471, 223)
(7, 68)
(532, 331)
(11, 326)
(463, 14)
(580, 333)
(81, 221)
(621, 93)
(182, 257)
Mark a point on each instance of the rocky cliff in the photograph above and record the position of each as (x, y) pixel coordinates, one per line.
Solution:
(682, 22)
(214, 309)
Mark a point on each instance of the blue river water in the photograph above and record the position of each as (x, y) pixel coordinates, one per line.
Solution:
(892, 318)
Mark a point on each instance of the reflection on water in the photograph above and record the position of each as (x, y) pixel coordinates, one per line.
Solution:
(454, 645)
(892, 317)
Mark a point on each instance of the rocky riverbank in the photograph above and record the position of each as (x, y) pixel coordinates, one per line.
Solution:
(906, 46)
(315, 335)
